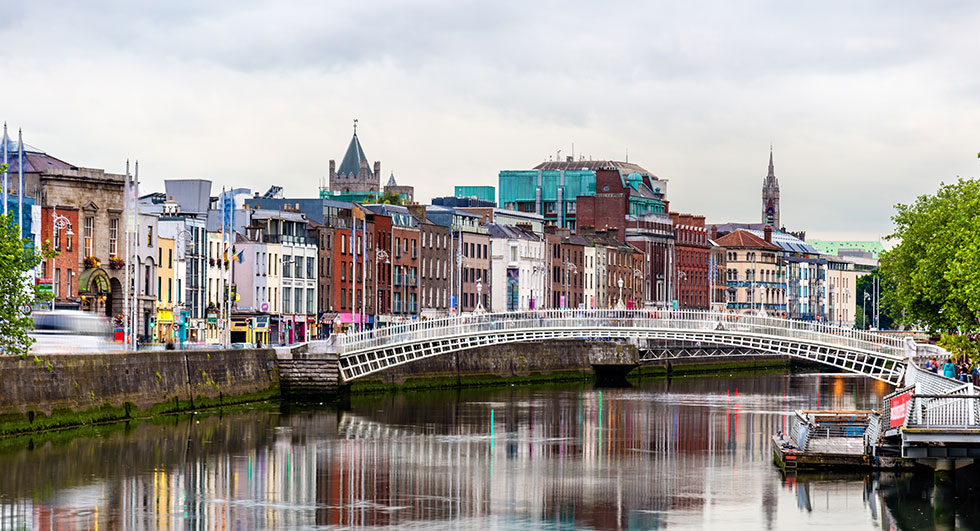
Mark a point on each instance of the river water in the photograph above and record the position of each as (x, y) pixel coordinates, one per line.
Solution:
(689, 453)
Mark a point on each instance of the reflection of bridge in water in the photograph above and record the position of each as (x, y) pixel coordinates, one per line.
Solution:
(940, 419)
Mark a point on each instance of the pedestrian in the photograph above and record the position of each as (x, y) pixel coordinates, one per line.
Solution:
(949, 370)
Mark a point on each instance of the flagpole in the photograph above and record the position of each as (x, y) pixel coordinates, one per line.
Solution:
(6, 189)
(364, 264)
(231, 260)
(129, 245)
(353, 271)
(20, 182)
(134, 206)
(221, 268)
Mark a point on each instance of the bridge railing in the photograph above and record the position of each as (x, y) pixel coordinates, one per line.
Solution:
(944, 411)
(687, 320)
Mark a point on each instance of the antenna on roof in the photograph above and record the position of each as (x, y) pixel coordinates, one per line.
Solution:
(627, 154)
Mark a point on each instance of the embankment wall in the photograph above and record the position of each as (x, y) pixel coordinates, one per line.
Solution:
(50, 391)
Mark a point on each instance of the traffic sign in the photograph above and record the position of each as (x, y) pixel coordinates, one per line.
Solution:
(175, 327)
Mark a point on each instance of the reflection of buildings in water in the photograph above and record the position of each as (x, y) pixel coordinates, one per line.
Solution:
(615, 458)
(604, 453)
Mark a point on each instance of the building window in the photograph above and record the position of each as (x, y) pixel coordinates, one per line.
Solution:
(287, 294)
(89, 235)
(113, 237)
(57, 238)
(149, 236)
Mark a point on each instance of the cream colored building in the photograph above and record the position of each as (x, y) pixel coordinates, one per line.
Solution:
(753, 276)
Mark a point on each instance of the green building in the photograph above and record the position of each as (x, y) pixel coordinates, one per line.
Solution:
(483, 193)
(551, 189)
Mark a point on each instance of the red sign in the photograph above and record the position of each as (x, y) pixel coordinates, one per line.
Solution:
(899, 409)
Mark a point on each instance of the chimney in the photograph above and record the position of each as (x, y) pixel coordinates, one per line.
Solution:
(714, 232)
(418, 211)
(333, 169)
(768, 233)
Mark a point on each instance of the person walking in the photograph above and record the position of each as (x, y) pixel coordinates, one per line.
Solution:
(949, 370)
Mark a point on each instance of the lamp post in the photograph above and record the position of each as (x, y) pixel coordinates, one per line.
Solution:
(60, 223)
(619, 303)
(600, 272)
(479, 297)
(380, 257)
(637, 274)
(864, 311)
(569, 269)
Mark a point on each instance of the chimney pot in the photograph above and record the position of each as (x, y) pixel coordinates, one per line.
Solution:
(768, 233)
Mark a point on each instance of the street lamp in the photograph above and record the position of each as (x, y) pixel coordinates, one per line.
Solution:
(381, 257)
(569, 269)
(60, 223)
(479, 297)
(619, 303)
(864, 310)
(637, 274)
(600, 280)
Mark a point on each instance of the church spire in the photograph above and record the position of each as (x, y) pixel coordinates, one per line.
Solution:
(772, 172)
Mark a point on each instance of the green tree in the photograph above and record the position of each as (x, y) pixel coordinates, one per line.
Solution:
(17, 257)
(865, 284)
(388, 198)
(935, 267)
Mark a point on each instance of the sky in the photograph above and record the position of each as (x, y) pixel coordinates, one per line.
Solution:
(865, 104)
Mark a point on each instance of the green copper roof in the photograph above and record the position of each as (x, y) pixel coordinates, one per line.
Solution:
(353, 159)
(832, 247)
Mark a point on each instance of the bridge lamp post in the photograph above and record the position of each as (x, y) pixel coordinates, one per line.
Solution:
(479, 297)
(619, 303)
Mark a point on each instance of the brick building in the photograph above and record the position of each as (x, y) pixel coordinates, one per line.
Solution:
(93, 201)
(693, 253)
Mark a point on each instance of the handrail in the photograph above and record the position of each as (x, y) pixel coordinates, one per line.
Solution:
(646, 319)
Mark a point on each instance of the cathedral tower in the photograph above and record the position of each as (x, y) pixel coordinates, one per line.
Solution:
(770, 197)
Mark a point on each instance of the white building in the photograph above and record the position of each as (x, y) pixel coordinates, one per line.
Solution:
(290, 256)
(517, 269)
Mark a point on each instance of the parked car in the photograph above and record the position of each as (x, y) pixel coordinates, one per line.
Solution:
(71, 332)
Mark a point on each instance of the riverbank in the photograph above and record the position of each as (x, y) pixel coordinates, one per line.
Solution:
(57, 391)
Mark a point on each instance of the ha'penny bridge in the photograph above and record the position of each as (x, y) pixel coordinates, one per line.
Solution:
(928, 417)
(873, 355)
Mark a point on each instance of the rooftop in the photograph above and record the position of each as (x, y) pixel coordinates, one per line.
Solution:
(743, 239)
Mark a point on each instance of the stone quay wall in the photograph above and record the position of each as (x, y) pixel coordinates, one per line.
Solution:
(51, 391)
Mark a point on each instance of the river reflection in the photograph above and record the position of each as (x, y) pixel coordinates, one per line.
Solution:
(685, 453)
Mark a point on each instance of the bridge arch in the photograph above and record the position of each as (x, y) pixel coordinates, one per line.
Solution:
(869, 354)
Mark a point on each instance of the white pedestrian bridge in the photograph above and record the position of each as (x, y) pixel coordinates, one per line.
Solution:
(874, 355)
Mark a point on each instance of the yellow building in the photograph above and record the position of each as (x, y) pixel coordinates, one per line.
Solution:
(842, 296)
(167, 292)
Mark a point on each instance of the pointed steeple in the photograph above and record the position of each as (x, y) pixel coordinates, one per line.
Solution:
(772, 172)
(770, 196)
(354, 157)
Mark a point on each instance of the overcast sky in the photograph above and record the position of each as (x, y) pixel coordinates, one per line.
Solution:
(866, 104)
